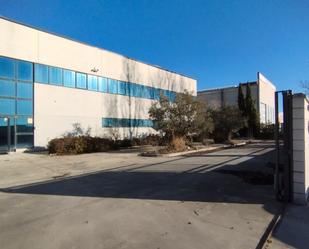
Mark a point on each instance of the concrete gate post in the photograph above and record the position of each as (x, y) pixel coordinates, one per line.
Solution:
(300, 148)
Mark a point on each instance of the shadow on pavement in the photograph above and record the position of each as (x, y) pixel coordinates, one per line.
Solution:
(293, 229)
(205, 183)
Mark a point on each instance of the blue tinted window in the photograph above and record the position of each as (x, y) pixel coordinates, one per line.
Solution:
(144, 123)
(105, 122)
(161, 93)
(68, 78)
(150, 92)
(139, 91)
(122, 87)
(166, 93)
(7, 88)
(102, 84)
(24, 124)
(81, 80)
(3, 121)
(143, 91)
(24, 71)
(112, 86)
(172, 96)
(24, 107)
(157, 94)
(136, 90)
(24, 90)
(125, 122)
(128, 122)
(7, 68)
(92, 82)
(41, 73)
(129, 89)
(134, 122)
(149, 123)
(132, 89)
(24, 141)
(55, 75)
(109, 122)
(7, 106)
(141, 123)
(138, 122)
(115, 122)
(146, 92)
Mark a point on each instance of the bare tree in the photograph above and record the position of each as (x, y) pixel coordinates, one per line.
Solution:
(305, 86)
(78, 131)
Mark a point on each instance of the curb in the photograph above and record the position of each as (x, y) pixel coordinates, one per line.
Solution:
(264, 241)
(184, 153)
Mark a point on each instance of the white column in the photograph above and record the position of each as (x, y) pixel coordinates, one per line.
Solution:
(300, 148)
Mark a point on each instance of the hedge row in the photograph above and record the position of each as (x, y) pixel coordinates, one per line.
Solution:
(86, 144)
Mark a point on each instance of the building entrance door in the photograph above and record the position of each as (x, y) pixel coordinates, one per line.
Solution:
(7, 134)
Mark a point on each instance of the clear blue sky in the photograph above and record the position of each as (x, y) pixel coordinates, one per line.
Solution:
(217, 42)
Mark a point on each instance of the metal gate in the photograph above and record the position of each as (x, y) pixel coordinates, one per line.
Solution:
(284, 146)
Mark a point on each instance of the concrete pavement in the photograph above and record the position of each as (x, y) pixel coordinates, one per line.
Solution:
(293, 229)
(216, 200)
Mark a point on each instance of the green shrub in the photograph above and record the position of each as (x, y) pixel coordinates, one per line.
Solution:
(152, 139)
(183, 117)
(87, 144)
(98, 144)
(125, 143)
(79, 145)
(226, 121)
(178, 144)
(67, 145)
(266, 131)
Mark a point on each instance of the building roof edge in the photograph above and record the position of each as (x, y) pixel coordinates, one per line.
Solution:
(87, 44)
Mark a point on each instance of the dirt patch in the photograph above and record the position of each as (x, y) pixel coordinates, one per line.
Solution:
(251, 177)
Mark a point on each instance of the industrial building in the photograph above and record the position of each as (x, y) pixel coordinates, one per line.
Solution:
(49, 82)
(262, 91)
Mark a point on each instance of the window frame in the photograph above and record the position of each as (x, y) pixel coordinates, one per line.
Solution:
(12, 109)
(126, 122)
(22, 113)
(21, 62)
(89, 85)
(101, 81)
(13, 62)
(35, 73)
(10, 83)
(71, 84)
(112, 86)
(50, 68)
(76, 80)
(21, 83)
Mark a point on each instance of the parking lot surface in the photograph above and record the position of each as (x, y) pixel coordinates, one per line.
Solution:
(222, 199)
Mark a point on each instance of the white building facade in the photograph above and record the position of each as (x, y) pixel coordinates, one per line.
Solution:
(48, 83)
(262, 92)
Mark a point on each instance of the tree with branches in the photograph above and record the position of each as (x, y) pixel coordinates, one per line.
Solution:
(181, 118)
(227, 120)
(251, 112)
(305, 86)
(241, 100)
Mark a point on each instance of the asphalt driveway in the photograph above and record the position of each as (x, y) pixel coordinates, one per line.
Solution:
(104, 200)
